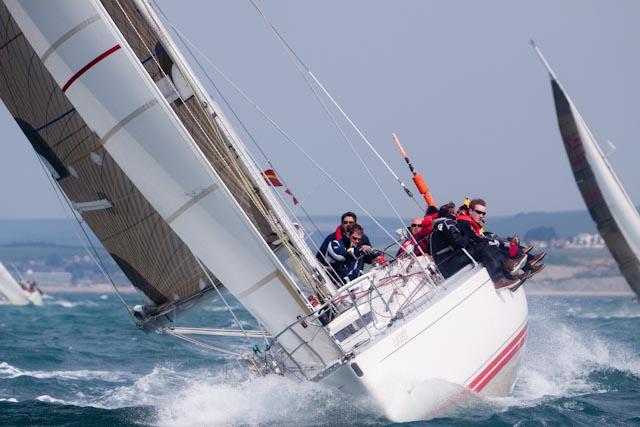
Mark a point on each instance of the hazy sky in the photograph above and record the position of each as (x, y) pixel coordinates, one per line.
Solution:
(456, 80)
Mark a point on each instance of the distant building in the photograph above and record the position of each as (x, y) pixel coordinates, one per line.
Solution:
(587, 241)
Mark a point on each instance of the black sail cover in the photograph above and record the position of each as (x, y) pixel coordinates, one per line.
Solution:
(596, 198)
(151, 255)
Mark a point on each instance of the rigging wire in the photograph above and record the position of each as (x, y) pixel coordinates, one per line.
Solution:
(305, 69)
(67, 208)
(187, 43)
(231, 163)
(229, 309)
(290, 139)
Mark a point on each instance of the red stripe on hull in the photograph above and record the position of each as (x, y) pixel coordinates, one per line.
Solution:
(498, 363)
(486, 375)
(84, 69)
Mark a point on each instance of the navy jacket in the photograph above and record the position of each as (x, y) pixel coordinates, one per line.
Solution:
(345, 260)
(368, 259)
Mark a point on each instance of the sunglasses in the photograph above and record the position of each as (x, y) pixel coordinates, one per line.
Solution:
(483, 213)
(356, 239)
(416, 225)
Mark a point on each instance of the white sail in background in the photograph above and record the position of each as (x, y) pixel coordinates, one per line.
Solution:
(616, 217)
(11, 289)
(89, 58)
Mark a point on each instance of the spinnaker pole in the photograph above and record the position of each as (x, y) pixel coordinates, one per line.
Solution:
(418, 179)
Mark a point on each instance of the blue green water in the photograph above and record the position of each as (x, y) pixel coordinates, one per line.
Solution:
(79, 361)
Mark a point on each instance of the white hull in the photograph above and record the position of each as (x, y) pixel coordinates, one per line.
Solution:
(35, 297)
(468, 338)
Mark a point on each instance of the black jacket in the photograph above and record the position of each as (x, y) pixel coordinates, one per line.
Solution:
(446, 244)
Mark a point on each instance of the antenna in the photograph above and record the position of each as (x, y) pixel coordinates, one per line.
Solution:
(542, 58)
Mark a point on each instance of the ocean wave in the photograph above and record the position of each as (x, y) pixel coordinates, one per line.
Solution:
(48, 399)
(229, 396)
(8, 371)
(9, 399)
(72, 304)
(224, 399)
(564, 360)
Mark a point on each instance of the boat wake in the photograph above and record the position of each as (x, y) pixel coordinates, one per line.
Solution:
(229, 397)
(564, 360)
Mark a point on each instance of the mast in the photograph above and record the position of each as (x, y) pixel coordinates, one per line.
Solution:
(301, 250)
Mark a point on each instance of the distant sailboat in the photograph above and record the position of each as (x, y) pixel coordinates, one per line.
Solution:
(615, 215)
(149, 161)
(14, 293)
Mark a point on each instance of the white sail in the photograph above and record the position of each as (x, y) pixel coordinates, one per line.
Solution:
(11, 289)
(616, 217)
(91, 61)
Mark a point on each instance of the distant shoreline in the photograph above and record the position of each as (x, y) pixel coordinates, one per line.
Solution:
(102, 288)
(106, 288)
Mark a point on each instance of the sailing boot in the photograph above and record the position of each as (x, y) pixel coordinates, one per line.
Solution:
(512, 265)
(536, 259)
(505, 283)
(535, 269)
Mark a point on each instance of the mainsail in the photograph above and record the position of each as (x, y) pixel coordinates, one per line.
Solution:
(10, 289)
(153, 166)
(610, 207)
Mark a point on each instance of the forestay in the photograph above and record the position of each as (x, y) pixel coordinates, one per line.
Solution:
(136, 124)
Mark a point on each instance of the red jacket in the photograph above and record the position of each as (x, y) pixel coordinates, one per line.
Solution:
(477, 228)
(422, 237)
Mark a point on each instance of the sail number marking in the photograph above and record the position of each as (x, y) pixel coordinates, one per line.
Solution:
(400, 338)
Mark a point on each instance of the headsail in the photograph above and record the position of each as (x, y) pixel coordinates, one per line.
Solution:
(10, 289)
(175, 157)
(153, 257)
(610, 207)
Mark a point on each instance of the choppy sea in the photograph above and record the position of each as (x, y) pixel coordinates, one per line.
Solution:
(80, 361)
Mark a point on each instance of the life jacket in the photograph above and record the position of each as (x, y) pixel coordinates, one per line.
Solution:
(477, 228)
(422, 237)
(339, 233)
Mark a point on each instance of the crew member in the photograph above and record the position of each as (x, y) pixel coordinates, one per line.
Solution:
(347, 219)
(346, 256)
(447, 244)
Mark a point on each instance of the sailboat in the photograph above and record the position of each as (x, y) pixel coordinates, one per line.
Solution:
(609, 205)
(15, 294)
(148, 160)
